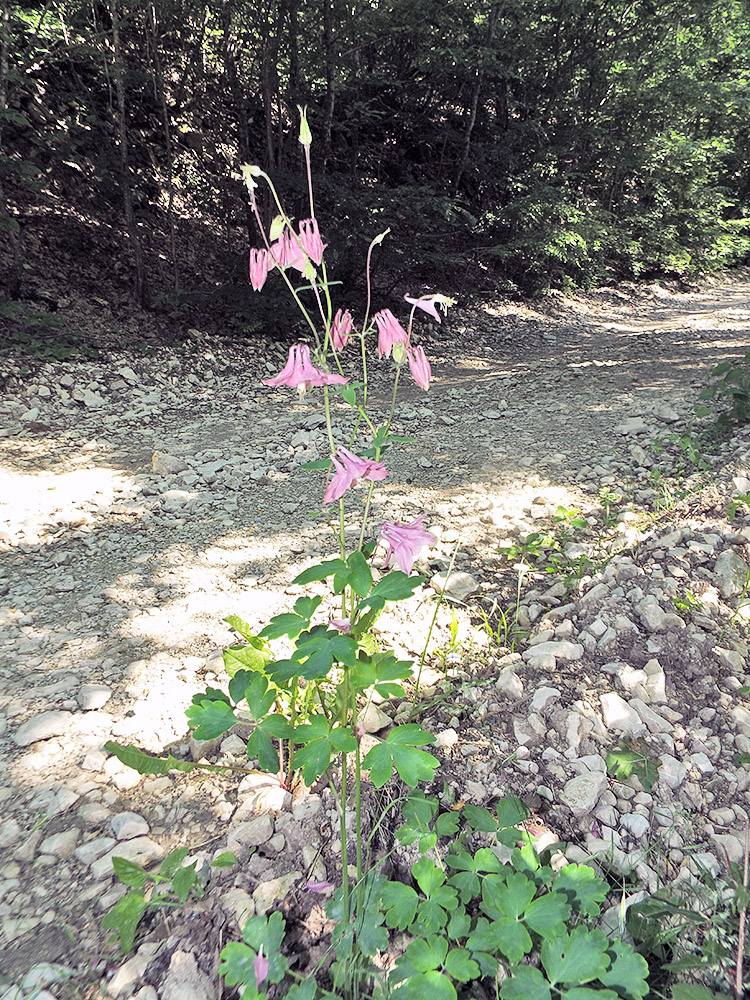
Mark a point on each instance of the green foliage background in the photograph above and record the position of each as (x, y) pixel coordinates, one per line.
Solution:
(519, 146)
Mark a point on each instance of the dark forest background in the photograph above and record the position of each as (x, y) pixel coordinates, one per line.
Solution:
(511, 146)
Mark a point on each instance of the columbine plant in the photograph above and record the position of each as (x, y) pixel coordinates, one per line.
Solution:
(473, 918)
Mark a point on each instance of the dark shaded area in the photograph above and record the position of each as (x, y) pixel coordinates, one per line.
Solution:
(511, 147)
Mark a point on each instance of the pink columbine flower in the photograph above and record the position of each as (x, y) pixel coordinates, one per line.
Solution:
(260, 967)
(390, 332)
(350, 468)
(319, 886)
(286, 252)
(419, 366)
(341, 329)
(405, 541)
(309, 237)
(429, 304)
(300, 373)
(342, 624)
(260, 265)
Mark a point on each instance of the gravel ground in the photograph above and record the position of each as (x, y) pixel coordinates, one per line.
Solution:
(143, 499)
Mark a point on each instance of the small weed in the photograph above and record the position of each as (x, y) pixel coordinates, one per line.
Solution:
(40, 334)
(730, 392)
(633, 757)
(740, 502)
(687, 605)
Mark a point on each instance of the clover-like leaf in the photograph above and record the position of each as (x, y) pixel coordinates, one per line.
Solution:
(173, 861)
(459, 924)
(585, 890)
(319, 648)
(124, 918)
(426, 986)
(400, 903)
(427, 953)
(399, 751)
(526, 983)
(459, 965)
(479, 819)
(183, 880)
(547, 914)
(361, 575)
(259, 696)
(428, 875)
(628, 972)
(394, 586)
(260, 747)
(577, 957)
(319, 744)
(510, 811)
(371, 936)
(267, 933)
(244, 658)
(210, 718)
(507, 897)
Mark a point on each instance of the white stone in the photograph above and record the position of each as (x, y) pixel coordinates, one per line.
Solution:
(671, 772)
(508, 682)
(374, 720)
(619, 716)
(456, 587)
(561, 650)
(544, 697)
(731, 572)
(142, 850)
(636, 825)
(166, 465)
(185, 981)
(446, 739)
(252, 833)
(127, 825)
(581, 794)
(93, 696)
(42, 727)
(63, 844)
(238, 904)
(274, 891)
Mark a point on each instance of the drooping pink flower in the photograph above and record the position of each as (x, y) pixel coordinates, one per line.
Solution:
(309, 237)
(419, 366)
(260, 966)
(259, 268)
(350, 468)
(300, 373)
(341, 329)
(390, 332)
(342, 624)
(319, 886)
(429, 304)
(405, 542)
(286, 252)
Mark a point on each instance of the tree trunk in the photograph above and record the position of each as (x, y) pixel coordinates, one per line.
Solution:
(238, 101)
(141, 284)
(474, 102)
(7, 223)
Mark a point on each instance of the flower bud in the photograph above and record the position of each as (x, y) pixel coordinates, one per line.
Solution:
(305, 135)
(277, 228)
(399, 352)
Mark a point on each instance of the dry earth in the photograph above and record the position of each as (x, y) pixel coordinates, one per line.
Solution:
(143, 499)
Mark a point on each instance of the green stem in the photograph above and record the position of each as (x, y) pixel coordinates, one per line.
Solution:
(422, 658)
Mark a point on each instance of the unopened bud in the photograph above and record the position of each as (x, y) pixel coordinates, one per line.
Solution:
(305, 135)
(399, 352)
(277, 228)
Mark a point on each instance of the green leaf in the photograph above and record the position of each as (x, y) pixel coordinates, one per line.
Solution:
(587, 993)
(210, 718)
(514, 940)
(285, 624)
(321, 571)
(259, 696)
(320, 743)
(361, 575)
(577, 957)
(277, 726)
(371, 937)
(173, 861)
(316, 653)
(628, 972)
(394, 586)
(486, 936)
(459, 924)
(267, 933)
(242, 628)
(260, 747)
(129, 872)
(124, 918)
(459, 965)
(400, 903)
(224, 860)
(303, 991)
(547, 915)
(426, 986)
(145, 763)
(398, 751)
(511, 811)
(431, 917)
(306, 607)
(244, 658)
(689, 991)
(479, 819)
(237, 964)
(446, 825)
(507, 897)
(427, 953)
(427, 875)
(526, 984)
(583, 888)
(183, 881)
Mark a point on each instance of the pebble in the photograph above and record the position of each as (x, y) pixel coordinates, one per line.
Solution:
(582, 793)
(42, 727)
(126, 825)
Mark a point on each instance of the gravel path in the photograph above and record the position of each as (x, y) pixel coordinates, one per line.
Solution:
(143, 499)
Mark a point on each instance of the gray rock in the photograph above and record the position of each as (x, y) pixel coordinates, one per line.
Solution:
(730, 658)
(620, 716)
(581, 794)
(93, 696)
(63, 844)
(185, 981)
(655, 618)
(10, 832)
(42, 727)
(374, 720)
(562, 650)
(544, 697)
(252, 833)
(142, 850)
(238, 904)
(508, 682)
(730, 572)
(44, 974)
(636, 825)
(127, 825)
(671, 772)
(89, 852)
(274, 891)
(163, 464)
(457, 586)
